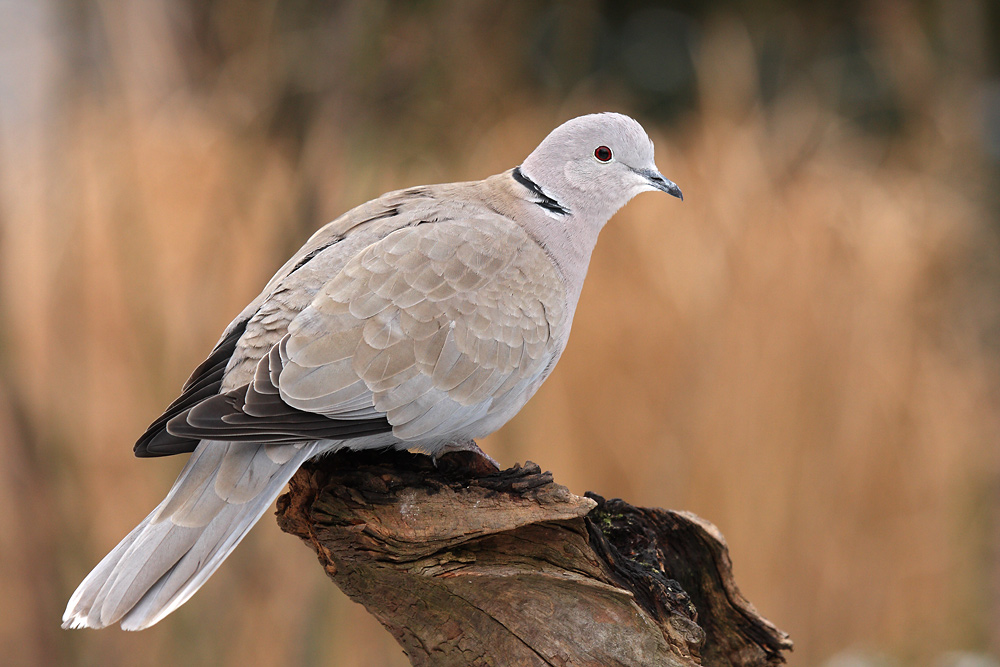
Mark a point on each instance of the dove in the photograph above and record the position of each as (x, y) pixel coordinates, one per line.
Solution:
(423, 319)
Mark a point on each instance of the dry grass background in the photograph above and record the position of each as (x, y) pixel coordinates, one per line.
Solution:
(801, 352)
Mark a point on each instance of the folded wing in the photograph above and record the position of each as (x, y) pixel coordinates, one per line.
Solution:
(431, 332)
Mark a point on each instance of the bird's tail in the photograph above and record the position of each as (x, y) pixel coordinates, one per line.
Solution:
(221, 493)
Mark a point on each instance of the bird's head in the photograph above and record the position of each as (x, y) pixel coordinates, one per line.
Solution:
(594, 164)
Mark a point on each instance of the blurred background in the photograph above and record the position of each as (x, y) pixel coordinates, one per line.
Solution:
(804, 352)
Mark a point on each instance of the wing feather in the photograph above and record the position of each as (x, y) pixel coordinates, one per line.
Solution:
(425, 332)
(452, 322)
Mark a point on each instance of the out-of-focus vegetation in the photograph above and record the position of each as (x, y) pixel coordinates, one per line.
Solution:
(803, 352)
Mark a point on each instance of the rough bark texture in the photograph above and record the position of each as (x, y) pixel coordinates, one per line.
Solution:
(466, 565)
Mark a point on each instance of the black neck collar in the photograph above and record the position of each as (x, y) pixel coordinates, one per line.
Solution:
(545, 201)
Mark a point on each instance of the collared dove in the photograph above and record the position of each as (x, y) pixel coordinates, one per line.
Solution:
(423, 319)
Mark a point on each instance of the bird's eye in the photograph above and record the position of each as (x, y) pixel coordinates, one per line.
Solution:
(603, 153)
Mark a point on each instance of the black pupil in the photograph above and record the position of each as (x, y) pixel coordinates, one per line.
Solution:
(603, 153)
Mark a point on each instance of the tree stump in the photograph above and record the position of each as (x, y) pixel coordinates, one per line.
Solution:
(467, 565)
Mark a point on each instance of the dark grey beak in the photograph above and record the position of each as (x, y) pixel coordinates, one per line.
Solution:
(656, 179)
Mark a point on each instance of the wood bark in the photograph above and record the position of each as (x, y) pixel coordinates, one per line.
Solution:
(467, 565)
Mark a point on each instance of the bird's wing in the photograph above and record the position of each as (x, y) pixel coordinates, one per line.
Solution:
(430, 330)
(265, 320)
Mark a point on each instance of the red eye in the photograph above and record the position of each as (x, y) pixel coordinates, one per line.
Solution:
(603, 153)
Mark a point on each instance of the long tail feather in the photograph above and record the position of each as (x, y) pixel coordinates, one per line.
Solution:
(222, 492)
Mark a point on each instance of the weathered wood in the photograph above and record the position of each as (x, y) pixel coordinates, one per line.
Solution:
(466, 565)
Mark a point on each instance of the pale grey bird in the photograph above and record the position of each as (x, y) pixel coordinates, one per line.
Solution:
(423, 319)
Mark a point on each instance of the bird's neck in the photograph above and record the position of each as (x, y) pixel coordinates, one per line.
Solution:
(567, 236)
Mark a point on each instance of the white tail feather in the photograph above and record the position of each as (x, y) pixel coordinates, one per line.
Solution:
(173, 552)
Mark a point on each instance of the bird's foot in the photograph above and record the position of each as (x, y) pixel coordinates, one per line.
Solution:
(470, 456)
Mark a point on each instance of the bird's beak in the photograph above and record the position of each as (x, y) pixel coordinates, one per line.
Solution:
(656, 179)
